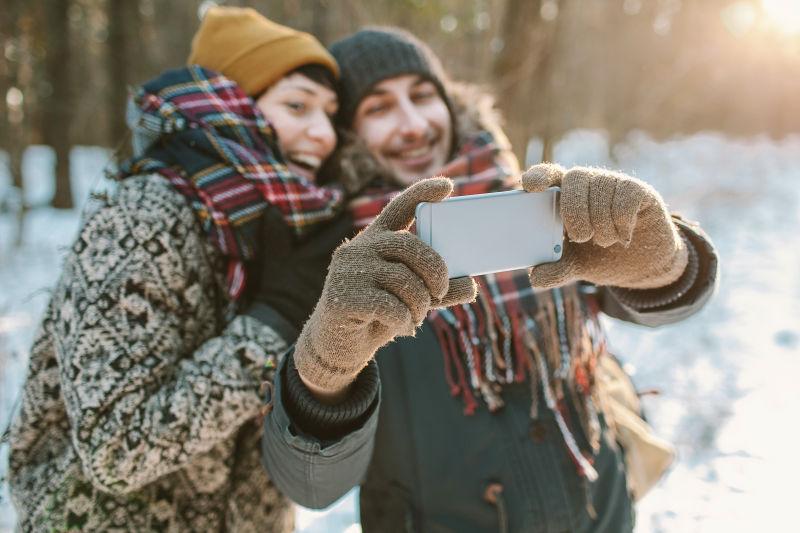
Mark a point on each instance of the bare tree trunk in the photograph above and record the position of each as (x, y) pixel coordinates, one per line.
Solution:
(123, 28)
(57, 112)
(14, 116)
(547, 82)
(175, 24)
(320, 20)
(513, 69)
(16, 202)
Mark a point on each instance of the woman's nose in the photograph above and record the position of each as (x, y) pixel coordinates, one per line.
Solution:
(321, 130)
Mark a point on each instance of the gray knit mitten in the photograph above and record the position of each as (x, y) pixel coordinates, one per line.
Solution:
(380, 285)
(619, 231)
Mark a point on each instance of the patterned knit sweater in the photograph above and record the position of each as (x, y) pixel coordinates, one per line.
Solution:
(140, 410)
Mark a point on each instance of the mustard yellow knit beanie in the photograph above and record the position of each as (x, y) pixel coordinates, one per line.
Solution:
(252, 50)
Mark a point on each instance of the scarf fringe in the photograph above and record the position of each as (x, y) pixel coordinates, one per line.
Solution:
(552, 339)
(511, 334)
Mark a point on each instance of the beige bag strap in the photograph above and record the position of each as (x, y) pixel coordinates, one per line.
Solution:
(647, 456)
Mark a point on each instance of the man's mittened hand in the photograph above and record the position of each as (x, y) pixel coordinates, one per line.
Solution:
(618, 230)
(380, 285)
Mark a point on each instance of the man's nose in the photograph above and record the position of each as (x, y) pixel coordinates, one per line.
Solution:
(412, 123)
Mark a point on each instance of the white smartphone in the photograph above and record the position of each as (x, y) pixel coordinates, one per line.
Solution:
(493, 232)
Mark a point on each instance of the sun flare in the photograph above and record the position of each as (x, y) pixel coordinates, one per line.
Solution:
(784, 14)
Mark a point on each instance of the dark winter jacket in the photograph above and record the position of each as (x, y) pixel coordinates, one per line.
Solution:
(432, 468)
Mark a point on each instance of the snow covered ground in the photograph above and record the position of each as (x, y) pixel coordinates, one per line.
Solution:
(727, 376)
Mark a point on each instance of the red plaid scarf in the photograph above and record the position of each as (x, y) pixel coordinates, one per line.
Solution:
(219, 151)
(512, 333)
(476, 169)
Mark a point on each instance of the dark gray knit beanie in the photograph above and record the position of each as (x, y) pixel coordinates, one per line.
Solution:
(374, 54)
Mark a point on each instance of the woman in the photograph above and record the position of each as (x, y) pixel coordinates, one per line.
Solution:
(141, 407)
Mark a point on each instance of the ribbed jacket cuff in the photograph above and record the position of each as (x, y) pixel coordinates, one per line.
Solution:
(330, 422)
(644, 299)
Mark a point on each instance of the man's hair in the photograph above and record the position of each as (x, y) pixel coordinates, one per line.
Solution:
(374, 54)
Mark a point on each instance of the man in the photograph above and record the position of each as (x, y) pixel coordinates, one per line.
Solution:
(487, 417)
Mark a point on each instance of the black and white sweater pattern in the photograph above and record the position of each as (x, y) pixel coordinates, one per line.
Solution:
(141, 407)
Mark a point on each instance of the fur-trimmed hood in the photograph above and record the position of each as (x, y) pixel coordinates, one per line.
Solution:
(354, 167)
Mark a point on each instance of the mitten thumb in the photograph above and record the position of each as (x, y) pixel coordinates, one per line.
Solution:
(461, 291)
(541, 177)
(558, 273)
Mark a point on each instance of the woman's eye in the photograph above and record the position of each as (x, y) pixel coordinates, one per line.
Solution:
(297, 107)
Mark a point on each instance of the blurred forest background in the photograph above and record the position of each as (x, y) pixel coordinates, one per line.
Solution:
(664, 66)
(668, 68)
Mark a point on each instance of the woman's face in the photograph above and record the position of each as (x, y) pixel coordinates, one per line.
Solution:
(301, 110)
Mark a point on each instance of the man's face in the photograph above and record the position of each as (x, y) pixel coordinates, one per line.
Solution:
(406, 125)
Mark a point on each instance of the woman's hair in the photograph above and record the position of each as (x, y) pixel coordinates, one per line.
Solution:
(316, 73)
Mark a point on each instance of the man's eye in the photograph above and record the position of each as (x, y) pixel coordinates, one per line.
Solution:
(376, 108)
(423, 96)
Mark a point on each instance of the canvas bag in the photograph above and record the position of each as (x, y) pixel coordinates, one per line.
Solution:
(647, 456)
